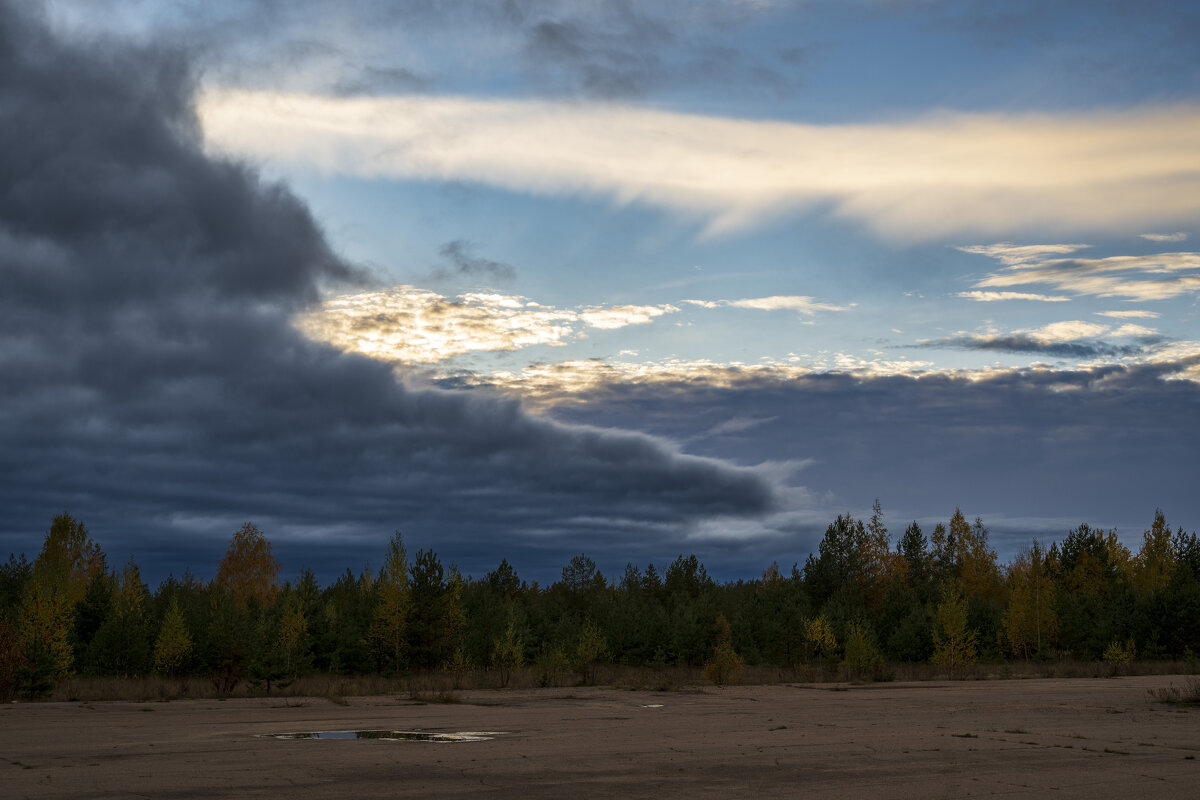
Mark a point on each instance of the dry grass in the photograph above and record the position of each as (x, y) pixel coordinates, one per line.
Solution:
(1188, 694)
(442, 687)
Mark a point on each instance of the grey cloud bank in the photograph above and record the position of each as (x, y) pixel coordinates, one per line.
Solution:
(154, 386)
(1020, 343)
(1034, 452)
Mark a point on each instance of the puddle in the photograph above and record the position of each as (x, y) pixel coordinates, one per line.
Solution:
(389, 735)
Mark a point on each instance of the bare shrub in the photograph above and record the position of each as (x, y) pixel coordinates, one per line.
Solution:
(1188, 694)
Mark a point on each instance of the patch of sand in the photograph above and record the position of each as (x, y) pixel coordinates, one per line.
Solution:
(1019, 738)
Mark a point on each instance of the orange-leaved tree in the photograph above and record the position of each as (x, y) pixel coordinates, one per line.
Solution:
(249, 571)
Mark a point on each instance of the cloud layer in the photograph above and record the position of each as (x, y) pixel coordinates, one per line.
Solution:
(936, 175)
(1076, 339)
(1034, 451)
(154, 385)
(1137, 278)
(408, 325)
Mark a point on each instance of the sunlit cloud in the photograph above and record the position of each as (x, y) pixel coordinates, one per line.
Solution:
(1133, 330)
(579, 376)
(1069, 331)
(575, 381)
(1010, 254)
(1139, 278)
(931, 176)
(415, 326)
(990, 297)
(1132, 314)
(409, 325)
(799, 303)
(1084, 344)
(1165, 237)
(613, 317)
(1181, 358)
(559, 381)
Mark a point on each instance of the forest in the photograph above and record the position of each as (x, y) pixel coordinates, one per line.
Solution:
(857, 605)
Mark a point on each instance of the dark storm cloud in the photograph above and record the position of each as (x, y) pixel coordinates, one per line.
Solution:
(1034, 452)
(153, 384)
(461, 261)
(1019, 343)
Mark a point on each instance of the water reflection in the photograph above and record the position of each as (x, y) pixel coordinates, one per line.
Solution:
(390, 735)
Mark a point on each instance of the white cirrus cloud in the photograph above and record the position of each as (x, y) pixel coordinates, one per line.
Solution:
(1012, 254)
(931, 176)
(613, 317)
(799, 303)
(1131, 314)
(990, 297)
(1158, 276)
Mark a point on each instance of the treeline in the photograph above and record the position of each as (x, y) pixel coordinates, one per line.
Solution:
(858, 602)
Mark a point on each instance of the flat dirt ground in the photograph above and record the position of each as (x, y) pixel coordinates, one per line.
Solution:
(1012, 738)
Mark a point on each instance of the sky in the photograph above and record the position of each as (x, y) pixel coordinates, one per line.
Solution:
(528, 279)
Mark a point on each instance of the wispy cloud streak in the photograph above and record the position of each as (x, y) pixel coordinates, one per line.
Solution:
(798, 303)
(991, 297)
(931, 176)
(1139, 278)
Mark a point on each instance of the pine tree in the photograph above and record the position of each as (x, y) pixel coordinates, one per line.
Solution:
(914, 549)
(122, 645)
(454, 618)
